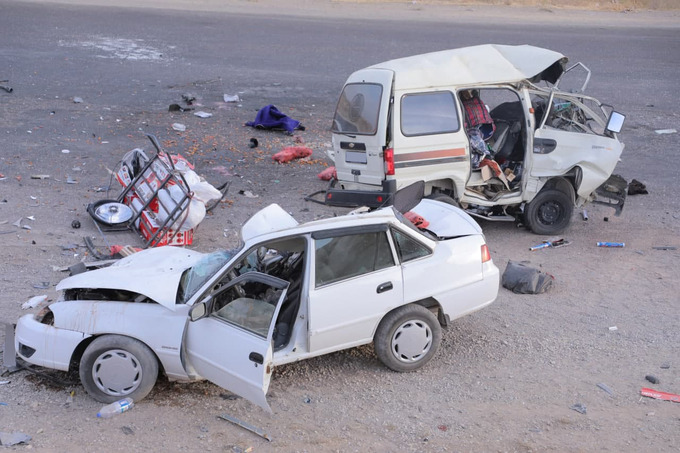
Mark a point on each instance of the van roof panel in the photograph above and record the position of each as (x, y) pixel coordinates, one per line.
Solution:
(488, 63)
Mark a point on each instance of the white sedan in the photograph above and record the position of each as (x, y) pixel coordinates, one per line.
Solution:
(290, 292)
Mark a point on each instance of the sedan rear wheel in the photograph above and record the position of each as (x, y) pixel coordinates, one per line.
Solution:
(115, 367)
(407, 338)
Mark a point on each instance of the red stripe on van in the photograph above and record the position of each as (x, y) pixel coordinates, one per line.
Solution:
(429, 154)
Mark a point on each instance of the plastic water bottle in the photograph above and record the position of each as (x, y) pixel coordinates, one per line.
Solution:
(118, 407)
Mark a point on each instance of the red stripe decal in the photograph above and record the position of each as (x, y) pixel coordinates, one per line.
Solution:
(430, 154)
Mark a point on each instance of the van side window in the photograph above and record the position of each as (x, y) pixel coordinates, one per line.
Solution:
(429, 113)
(343, 257)
(358, 109)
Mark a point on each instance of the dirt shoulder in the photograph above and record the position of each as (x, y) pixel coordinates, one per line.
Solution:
(429, 11)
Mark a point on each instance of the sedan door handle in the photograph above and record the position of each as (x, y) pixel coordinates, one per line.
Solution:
(384, 287)
(256, 357)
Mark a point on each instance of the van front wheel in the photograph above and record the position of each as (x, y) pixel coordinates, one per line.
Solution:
(550, 212)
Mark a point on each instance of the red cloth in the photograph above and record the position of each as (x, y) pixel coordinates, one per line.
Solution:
(417, 220)
(476, 113)
(292, 152)
(328, 174)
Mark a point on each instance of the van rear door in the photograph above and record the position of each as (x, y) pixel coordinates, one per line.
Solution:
(360, 126)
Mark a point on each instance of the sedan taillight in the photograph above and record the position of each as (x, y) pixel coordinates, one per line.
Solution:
(486, 256)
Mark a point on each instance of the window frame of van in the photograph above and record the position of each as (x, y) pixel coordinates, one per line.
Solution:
(430, 93)
(375, 121)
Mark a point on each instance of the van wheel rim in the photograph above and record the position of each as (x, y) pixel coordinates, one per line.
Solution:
(549, 212)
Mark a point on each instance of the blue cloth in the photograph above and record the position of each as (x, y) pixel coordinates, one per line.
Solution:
(270, 117)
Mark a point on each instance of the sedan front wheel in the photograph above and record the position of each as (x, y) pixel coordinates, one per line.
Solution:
(407, 338)
(115, 367)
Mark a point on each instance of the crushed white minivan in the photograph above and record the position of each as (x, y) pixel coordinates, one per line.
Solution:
(546, 149)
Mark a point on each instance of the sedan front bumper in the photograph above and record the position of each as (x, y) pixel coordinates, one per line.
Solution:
(45, 345)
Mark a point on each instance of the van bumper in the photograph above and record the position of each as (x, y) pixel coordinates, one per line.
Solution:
(612, 193)
(348, 198)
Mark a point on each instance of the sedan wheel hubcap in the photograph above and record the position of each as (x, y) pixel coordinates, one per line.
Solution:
(117, 372)
(411, 341)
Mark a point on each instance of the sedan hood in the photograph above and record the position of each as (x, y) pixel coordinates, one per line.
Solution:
(155, 273)
(446, 220)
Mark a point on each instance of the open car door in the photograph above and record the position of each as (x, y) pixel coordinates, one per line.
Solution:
(228, 339)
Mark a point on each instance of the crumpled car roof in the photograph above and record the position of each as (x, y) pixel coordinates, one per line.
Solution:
(483, 64)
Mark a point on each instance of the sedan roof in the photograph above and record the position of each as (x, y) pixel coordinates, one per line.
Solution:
(483, 64)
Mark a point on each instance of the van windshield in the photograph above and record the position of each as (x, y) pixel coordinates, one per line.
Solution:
(358, 109)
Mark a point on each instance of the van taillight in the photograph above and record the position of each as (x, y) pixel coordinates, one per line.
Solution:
(486, 256)
(389, 161)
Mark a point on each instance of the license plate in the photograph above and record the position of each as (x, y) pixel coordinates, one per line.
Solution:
(355, 157)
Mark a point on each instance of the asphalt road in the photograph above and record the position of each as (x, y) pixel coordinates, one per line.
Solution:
(124, 57)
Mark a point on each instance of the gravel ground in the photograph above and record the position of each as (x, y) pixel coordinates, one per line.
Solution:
(504, 379)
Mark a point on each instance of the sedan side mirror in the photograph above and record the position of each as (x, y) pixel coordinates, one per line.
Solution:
(198, 311)
(615, 122)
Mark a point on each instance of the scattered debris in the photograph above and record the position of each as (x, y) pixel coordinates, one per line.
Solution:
(611, 244)
(292, 152)
(550, 244)
(584, 214)
(179, 127)
(15, 438)
(245, 425)
(253, 143)
(18, 223)
(6, 88)
(522, 279)
(75, 224)
(328, 174)
(231, 98)
(127, 430)
(269, 117)
(34, 302)
(653, 379)
(178, 108)
(65, 151)
(203, 114)
(665, 366)
(606, 388)
(247, 194)
(613, 329)
(42, 285)
(77, 268)
(189, 98)
(635, 187)
(665, 131)
(651, 393)
(115, 408)
(665, 247)
(578, 407)
(40, 176)
(77, 100)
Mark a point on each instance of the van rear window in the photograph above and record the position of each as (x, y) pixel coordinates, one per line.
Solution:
(429, 113)
(358, 109)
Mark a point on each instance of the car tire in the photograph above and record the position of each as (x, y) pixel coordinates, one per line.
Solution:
(549, 212)
(115, 367)
(407, 338)
(439, 196)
